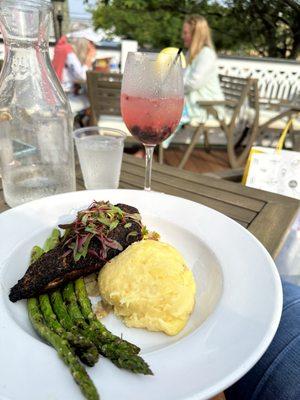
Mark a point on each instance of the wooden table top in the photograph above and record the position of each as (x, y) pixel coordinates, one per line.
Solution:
(268, 216)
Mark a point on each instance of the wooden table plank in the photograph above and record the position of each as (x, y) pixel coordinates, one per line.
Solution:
(202, 179)
(242, 216)
(268, 216)
(274, 213)
(197, 187)
(272, 224)
(230, 210)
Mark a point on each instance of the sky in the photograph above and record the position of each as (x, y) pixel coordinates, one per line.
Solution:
(77, 9)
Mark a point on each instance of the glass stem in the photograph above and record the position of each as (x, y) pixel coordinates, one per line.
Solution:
(149, 157)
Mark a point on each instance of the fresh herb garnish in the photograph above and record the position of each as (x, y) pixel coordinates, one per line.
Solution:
(149, 235)
(96, 223)
(113, 225)
(144, 230)
(132, 233)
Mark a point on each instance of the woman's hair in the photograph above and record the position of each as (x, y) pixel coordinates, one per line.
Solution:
(81, 47)
(201, 35)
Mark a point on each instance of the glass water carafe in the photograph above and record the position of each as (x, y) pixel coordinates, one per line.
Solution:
(36, 147)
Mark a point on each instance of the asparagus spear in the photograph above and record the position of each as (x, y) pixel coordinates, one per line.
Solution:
(57, 303)
(85, 349)
(106, 336)
(50, 243)
(61, 311)
(36, 253)
(73, 309)
(64, 350)
(52, 240)
(65, 320)
(115, 350)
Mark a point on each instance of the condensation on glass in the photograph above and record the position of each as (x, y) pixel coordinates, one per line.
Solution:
(36, 148)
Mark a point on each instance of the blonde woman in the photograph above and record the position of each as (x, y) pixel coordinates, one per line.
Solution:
(201, 80)
(85, 51)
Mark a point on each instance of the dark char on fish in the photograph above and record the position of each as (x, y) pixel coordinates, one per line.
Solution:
(54, 269)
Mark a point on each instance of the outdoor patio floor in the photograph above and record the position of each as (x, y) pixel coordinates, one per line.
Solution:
(200, 161)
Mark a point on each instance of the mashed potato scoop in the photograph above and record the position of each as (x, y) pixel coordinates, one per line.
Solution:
(149, 286)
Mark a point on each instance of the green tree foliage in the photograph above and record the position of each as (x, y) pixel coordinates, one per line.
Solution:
(154, 23)
(271, 28)
(158, 23)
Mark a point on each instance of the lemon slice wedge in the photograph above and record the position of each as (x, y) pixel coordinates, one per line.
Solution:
(171, 51)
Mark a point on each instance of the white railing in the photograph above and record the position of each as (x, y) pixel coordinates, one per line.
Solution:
(277, 79)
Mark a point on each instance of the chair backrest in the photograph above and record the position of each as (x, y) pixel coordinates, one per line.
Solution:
(239, 93)
(104, 92)
(234, 89)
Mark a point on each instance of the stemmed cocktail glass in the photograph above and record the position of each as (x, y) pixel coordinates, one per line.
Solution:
(152, 100)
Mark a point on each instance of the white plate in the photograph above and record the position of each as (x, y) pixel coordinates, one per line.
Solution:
(239, 301)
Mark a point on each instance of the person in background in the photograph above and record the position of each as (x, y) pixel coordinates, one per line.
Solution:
(70, 67)
(67, 65)
(201, 81)
(85, 51)
(91, 55)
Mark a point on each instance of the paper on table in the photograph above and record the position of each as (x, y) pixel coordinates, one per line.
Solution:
(275, 172)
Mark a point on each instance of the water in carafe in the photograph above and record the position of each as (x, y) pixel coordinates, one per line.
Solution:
(36, 147)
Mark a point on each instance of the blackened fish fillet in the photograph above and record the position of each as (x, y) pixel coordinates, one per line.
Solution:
(53, 269)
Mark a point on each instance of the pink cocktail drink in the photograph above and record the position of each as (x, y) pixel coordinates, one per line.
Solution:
(151, 120)
(152, 100)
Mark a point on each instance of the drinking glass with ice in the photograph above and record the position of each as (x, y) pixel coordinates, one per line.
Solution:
(100, 152)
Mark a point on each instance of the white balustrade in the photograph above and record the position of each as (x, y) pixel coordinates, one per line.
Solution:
(277, 79)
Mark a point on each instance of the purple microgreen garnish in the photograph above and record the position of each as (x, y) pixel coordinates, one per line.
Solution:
(96, 223)
(113, 244)
(66, 226)
(66, 253)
